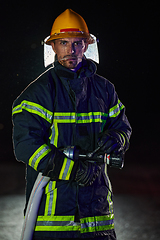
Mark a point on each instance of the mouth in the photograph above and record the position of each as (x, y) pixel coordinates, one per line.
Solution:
(70, 61)
(70, 58)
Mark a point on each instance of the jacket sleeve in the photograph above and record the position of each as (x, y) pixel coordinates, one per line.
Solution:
(117, 119)
(31, 130)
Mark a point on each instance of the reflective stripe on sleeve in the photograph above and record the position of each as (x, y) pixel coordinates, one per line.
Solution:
(66, 169)
(33, 108)
(124, 140)
(38, 155)
(115, 111)
(125, 137)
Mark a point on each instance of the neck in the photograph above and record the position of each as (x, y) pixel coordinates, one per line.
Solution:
(77, 68)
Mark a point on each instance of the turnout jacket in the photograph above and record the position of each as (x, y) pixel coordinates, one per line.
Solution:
(64, 108)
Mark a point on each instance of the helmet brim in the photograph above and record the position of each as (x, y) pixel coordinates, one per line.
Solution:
(85, 35)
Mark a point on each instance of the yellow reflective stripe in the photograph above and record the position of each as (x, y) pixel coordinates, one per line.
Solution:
(124, 139)
(91, 117)
(54, 202)
(57, 228)
(33, 108)
(69, 170)
(38, 155)
(97, 223)
(50, 186)
(114, 111)
(66, 223)
(56, 223)
(56, 134)
(110, 202)
(72, 117)
(68, 117)
(51, 198)
(66, 169)
(47, 204)
(55, 218)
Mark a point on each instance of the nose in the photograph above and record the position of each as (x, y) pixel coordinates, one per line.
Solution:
(71, 48)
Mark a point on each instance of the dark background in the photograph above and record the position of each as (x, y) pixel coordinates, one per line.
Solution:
(128, 34)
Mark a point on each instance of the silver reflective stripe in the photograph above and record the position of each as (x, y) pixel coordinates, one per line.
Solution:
(50, 200)
(64, 117)
(51, 197)
(57, 223)
(38, 155)
(71, 117)
(35, 109)
(66, 169)
(97, 224)
(114, 111)
(89, 117)
(65, 172)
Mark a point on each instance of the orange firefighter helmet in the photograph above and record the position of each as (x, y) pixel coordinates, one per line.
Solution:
(69, 24)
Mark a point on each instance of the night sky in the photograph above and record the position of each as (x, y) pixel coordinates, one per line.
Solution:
(128, 49)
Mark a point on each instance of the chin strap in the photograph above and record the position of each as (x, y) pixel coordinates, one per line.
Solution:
(91, 53)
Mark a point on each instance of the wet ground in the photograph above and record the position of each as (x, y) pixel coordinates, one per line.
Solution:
(136, 199)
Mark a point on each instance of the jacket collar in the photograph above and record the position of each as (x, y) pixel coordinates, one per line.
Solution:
(87, 70)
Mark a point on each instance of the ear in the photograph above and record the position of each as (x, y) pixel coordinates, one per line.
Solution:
(53, 46)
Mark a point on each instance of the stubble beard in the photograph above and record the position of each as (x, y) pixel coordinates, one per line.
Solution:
(70, 62)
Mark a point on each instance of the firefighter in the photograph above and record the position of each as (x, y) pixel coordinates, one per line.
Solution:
(70, 105)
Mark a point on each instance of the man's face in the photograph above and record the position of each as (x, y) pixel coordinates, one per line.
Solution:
(69, 51)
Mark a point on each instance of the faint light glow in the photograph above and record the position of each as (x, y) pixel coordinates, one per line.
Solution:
(33, 45)
(1, 126)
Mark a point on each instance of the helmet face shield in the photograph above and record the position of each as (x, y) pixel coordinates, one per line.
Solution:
(91, 52)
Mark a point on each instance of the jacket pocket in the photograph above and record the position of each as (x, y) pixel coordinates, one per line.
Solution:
(103, 196)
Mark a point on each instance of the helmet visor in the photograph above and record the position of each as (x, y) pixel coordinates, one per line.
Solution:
(91, 53)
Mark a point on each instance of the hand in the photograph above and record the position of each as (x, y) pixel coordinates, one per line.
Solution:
(87, 173)
(111, 141)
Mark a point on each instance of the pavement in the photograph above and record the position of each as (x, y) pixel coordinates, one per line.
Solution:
(136, 201)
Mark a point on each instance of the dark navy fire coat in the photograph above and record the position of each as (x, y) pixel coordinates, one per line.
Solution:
(64, 108)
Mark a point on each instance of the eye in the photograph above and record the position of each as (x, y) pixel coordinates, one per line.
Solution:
(63, 42)
(78, 43)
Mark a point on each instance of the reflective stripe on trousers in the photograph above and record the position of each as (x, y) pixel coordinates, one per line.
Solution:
(66, 223)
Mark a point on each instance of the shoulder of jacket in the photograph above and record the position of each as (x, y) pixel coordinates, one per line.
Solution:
(43, 74)
(41, 81)
(102, 80)
(36, 87)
